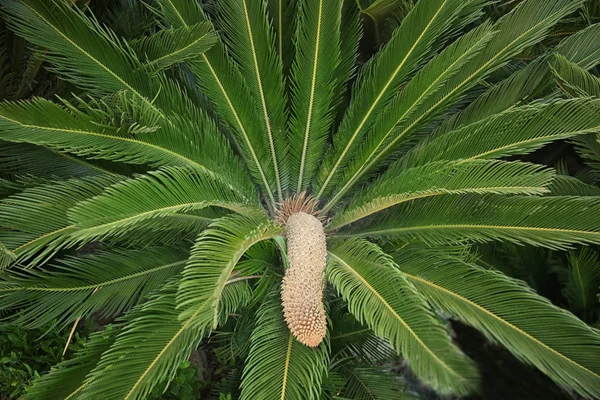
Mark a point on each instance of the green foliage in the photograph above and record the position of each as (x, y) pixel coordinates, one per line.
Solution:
(148, 192)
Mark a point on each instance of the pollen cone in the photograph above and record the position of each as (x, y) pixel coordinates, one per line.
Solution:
(302, 286)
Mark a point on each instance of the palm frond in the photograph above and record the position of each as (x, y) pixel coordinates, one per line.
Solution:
(278, 366)
(109, 282)
(588, 147)
(573, 80)
(406, 105)
(220, 79)
(173, 46)
(213, 257)
(80, 49)
(519, 130)
(381, 78)
(582, 48)
(251, 39)
(563, 185)
(153, 344)
(583, 281)
(388, 304)
(34, 221)
(283, 13)
(313, 84)
(507, 311)
(552, 222)
(67, 376)
(367, 382)
(397, 186)
(158, 194)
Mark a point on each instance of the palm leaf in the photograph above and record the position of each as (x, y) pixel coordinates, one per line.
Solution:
(313, 85)
(389, 305)
(251, 40)
(283, 13)
(109, 282)
(173, 46)
(563, 185)
(214, 255)
(582, 48)
(381, 78)
(397, 186)
(552, 222)
(583, 281)
(34, 221)
(506, 310)
(574, 80)
(153, 344)
(519, 130)
(279, 367)
(366, 382)
(163, 193)
(220, 79)
(66, 377)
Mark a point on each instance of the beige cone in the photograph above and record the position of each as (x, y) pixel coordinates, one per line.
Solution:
(302, 286)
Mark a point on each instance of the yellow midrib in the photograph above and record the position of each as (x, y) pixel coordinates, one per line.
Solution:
(391, 309)
(498, 318)
(181, 50)
(312, 97)
(286, 366)
(263, 101)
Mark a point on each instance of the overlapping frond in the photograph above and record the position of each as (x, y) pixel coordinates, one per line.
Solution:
(397, 186)
(34, 221)
(367, 382)
(582, 48)
(213, 258)
(152, 345)
(251, 40)
(583, 281)
(563, 185)
(573, 80)
(109, 282)
(162, 193)
(278, 366)
(406, 106)
(382, 298)
(506, 310)
(519, 130)
(552, 222)
(64, 379)
(381, 78)
(283, 14)
(313, 85)
(173, 46)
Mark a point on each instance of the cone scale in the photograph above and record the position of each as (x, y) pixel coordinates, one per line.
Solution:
(303, 283)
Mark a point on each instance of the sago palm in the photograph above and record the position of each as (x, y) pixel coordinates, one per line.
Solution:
(231, 165)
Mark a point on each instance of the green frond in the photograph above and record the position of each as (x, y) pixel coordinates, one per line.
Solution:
(216, 252)
(563, 185)
(588, 147)
(507, 311)
(519, 130)
(162, 193)
(67, 376)
(220, 79)
(583, 281)
(552, 222)
(406, 106)
(396, 185)
(251, 40)
(525, 26)
(109, 282)
(278, 366)
(367, 382)
(80, 50)
(34, 222)
(574, 80)
(173, 46)
(88, 134)
(582, 48)
(313, 85)
(381, 78)
(152, 344)
(283, 13)
(382, 298)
